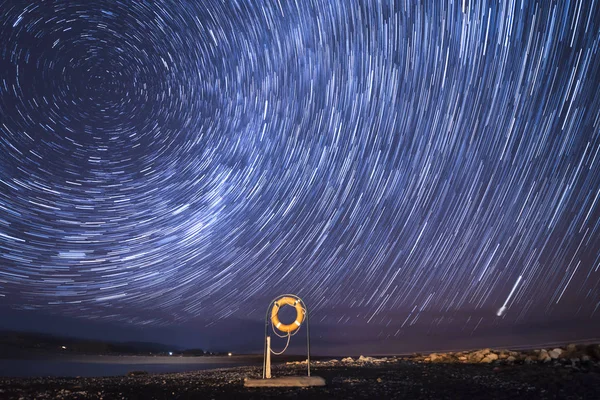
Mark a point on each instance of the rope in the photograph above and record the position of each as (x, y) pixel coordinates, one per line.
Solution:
(285, 348)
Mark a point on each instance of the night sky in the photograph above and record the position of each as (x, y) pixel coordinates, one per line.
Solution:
(423, 174)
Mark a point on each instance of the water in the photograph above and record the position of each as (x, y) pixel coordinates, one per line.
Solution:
(117, 365)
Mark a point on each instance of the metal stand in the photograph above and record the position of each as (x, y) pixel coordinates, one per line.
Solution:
(267, 351)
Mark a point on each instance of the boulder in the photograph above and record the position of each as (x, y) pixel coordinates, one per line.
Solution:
(347, 360)
(511, 359)
(528, 360)
(477, 356)
(555, 354)
(543, 356)
(492, 356)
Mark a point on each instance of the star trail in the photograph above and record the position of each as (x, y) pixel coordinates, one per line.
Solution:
(396, 164)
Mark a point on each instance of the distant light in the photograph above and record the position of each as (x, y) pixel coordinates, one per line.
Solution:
(170, 353)
(229, 354)
(63, 347)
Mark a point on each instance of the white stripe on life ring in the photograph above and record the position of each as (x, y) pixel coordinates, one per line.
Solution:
(296, 322)
(278, 325)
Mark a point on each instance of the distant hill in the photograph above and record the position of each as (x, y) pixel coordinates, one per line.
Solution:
(14, 342)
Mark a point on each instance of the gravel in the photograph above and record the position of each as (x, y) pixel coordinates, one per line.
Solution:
(394, 378)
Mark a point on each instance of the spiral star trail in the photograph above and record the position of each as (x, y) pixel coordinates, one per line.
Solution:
(397, 164)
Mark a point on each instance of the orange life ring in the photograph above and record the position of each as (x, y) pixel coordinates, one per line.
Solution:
(287, 301)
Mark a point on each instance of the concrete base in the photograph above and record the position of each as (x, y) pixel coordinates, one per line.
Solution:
(286, 381)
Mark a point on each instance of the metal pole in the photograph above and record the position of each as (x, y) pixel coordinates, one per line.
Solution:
(307, 339)
(265, 341)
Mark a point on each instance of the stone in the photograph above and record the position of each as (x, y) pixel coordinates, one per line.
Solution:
(555, 354)
(363, 359)
(347, 360)
(492, 356)
(528, 360)
(511, 359)
(585, 358)
(543, 356)
(572, 347)
(477, 356)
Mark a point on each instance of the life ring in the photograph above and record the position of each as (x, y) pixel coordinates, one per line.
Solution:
(287, 301)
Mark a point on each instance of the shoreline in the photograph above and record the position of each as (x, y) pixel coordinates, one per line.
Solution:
(377, 378)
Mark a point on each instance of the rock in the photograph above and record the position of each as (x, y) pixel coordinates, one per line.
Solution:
(543, 356)
(477, 356)
(486, 360)
(347, 360)
(528, 360)
(434, 356)
(511, 359)
(555, 354)
(379, 380)
(492, 356)
(363, 359)
(462, 358)
(571, 347)
(586, 358)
